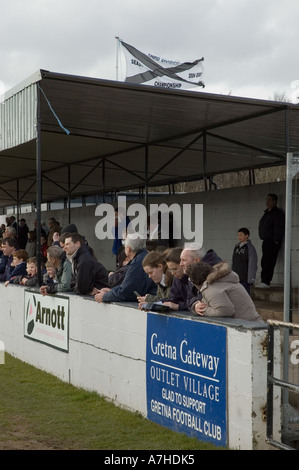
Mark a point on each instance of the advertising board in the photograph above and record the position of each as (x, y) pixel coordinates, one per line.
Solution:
(46, 319)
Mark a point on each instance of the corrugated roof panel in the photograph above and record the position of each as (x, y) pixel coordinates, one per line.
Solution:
(18, 118)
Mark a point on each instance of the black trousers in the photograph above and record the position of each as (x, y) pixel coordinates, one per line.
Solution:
(270, 252)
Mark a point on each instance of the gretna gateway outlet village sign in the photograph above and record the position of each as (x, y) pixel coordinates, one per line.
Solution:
(186, 377)
(46, 319)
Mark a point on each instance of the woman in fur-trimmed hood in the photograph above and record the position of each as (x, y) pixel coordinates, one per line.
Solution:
(223, 295)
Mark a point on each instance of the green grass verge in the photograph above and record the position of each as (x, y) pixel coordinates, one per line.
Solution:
(38, 411)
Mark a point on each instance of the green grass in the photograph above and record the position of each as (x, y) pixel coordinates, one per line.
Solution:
(39, 411)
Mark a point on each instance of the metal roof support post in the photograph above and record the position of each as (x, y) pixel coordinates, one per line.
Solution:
(287, 270)
(292, 168)
(251, 176)
(69, 192)
(38, 183)
(104, 179)
(288, 226)
(292, 173)
(287, 252)
(18, 202)
(204, 140)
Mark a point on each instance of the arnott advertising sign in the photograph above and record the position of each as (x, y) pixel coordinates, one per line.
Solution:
(186, 377)
(46, 319)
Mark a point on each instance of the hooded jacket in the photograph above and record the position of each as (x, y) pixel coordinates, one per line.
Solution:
(244, 261)
(226, 297)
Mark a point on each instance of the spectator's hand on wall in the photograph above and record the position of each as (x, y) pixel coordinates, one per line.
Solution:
(171, 305)
(43, 290)
(199, 308)
(98, 297)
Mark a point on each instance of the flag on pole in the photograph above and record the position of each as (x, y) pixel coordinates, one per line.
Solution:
(156, 71)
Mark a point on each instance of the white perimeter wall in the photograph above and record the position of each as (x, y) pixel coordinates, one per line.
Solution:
(107, 354)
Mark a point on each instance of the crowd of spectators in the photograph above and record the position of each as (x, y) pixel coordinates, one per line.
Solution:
(188, 279)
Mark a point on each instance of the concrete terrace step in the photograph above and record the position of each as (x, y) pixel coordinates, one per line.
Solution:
(270, 294)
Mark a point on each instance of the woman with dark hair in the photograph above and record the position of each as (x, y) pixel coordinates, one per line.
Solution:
(155, 267)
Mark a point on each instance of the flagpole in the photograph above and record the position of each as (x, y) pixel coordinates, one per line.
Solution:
(117, 49)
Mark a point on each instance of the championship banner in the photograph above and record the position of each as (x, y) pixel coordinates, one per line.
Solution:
(157, 71)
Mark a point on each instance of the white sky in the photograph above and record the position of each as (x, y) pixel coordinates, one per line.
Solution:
(250, 46)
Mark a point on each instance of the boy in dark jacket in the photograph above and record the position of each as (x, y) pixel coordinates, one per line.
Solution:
(179, 289)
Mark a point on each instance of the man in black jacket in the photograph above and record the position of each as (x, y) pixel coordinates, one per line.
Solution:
(88, 275)
(271, 231)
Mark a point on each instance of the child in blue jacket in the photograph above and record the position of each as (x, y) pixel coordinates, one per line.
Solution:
(19, 266)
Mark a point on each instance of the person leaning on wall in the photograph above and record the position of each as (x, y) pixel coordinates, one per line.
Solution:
(271, 231)
(135, 280)
(88, 274)
(222, 294)
(179, 289)
(154, 265)
(191, 254)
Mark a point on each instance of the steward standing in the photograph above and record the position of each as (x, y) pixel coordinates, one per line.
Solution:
(271, 231)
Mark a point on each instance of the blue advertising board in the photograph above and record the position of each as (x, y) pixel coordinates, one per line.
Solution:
(186, 376)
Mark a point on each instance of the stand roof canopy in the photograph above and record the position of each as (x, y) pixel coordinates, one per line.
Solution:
(97, 136)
